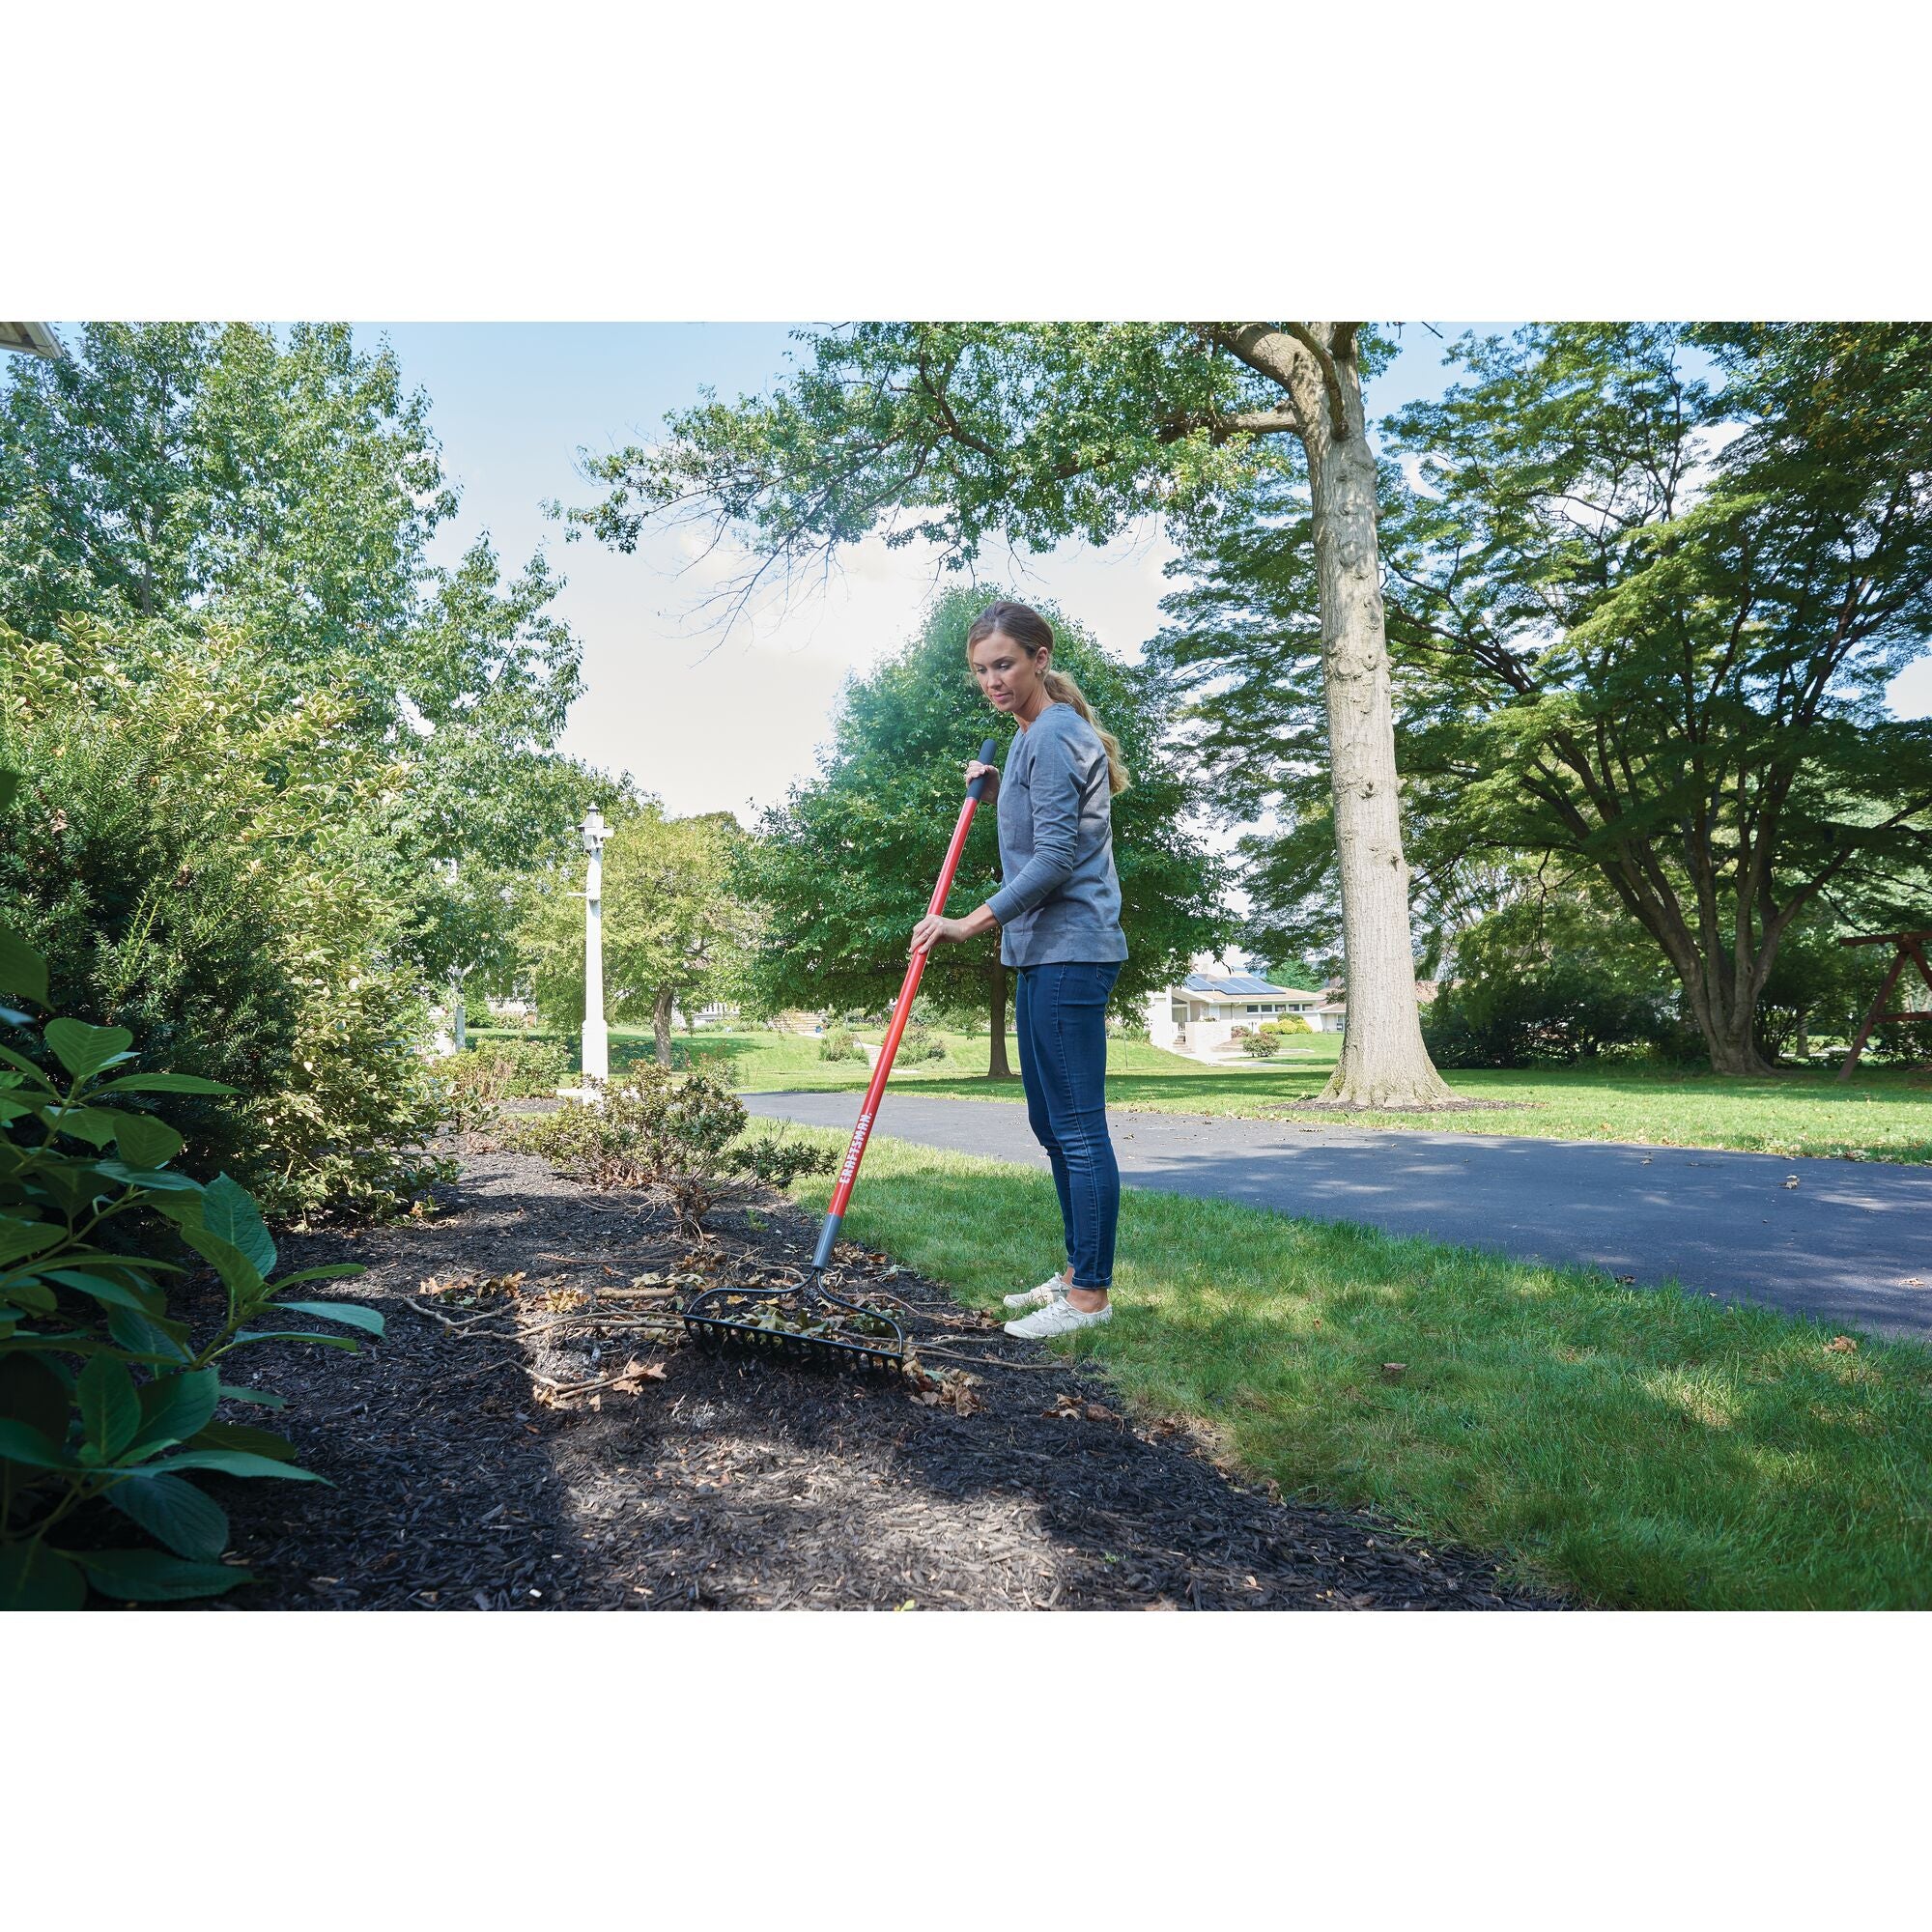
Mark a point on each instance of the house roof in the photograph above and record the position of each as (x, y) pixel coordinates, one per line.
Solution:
(1237, 983)
(30, 338)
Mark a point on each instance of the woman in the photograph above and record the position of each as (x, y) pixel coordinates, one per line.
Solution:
(1059, 920)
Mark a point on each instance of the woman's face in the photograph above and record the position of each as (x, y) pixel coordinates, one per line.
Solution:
(1008, 678)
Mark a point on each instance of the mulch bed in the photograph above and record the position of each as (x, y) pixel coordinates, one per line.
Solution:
(464, 1480)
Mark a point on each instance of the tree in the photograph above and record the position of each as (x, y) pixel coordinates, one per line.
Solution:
(843, 869)
(1044, 431)
(1243, 655)
(487, 799)
(174, 468)
(1645, 619)
(672, 930)
(286, 491)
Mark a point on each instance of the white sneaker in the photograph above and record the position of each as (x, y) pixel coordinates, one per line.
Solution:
(1038, 1298)
(1059, 1317)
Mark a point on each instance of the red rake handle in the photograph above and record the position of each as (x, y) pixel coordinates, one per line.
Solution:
(855, 1150)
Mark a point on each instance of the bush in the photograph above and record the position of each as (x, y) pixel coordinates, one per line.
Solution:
(919, 1042)
(85, 1448)
(1262, 1044)
(1550, 978)
(778, 1161)
(501, 1070)
(651, 1127)
(1288, 1023)
(184, 853)
(1558, 1015)
(837, 1043)
(1902, 1042)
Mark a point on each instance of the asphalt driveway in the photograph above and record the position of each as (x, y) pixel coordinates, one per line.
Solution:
(1851, 1242)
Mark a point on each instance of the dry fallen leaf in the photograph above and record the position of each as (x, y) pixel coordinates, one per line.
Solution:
(1842, 1345)
(1791, 1181)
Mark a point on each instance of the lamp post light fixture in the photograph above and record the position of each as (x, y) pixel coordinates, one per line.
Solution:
(596, 1034)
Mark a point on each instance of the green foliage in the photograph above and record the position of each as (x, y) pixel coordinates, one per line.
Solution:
(674, 929)
(842, 869)
(837, 1044)
(107, 1402)
(919, 1042)
(1646, 621)
(1286, 1023)
(778, 1160)
(475, 1080)
(187, 852)
(278, 759)
(1263, 1043)
(654, 1128)
(504, 1069)
(1644, 599)
(1546, 983)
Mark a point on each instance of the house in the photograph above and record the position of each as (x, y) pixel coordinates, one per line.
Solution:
(1331, 1016)
(31, 338)
(1199, 1015)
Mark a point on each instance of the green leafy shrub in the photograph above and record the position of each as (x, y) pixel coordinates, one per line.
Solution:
(1262, 1044)
(650, 1127)
(920, 1042)
(1902, 1042)
(504, 1069)
(673, 1132)
(188, 856)
(837, 1043)
(1559, 1014)
(777, 1160)
(107, 1405)
(1545, 980)
(1286, 1023)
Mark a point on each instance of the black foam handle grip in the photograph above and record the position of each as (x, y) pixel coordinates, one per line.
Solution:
(987, 753)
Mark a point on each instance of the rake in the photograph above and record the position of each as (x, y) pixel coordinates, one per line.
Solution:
(806, 1322)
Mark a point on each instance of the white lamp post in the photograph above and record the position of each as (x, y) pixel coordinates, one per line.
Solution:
(596, 1034)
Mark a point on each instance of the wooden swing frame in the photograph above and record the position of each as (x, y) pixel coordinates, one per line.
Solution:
(1909, 946)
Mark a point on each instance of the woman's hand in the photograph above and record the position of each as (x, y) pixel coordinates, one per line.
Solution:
(935, 929)
(991, 774)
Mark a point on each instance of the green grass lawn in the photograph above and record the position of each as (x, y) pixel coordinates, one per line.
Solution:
(1643, 1448)
(1883, 1113)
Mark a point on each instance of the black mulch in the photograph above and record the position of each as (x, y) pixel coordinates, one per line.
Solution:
(462, 1482)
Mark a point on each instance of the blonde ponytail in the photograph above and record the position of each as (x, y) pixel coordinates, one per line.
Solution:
(1028, 629)
(1064, 690)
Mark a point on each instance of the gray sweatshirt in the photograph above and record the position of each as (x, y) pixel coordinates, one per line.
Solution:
(1061, 899)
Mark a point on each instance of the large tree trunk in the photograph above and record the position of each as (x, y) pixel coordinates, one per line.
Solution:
(1384, 1063)
(997, 1068)
(661, 1008)
(1728, 1024)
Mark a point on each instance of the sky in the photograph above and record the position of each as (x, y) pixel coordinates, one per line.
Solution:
(705, 722)
(709, 723)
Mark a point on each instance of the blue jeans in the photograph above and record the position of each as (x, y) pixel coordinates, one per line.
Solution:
(1061, 1013)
